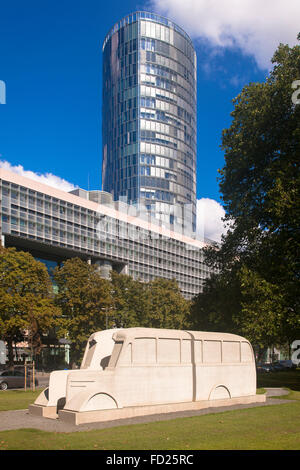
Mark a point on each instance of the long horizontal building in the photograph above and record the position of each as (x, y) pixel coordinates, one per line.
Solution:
(54, 225)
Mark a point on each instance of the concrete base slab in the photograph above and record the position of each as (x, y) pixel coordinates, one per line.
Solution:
(44, 411)
(84, 417)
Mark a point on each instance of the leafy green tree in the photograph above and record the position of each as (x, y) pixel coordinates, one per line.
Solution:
(263, 312)
(217, 306)
(169, 309)
(84, 298)
(26, 299)
(130, 301)
(260, 185)
(157, 304)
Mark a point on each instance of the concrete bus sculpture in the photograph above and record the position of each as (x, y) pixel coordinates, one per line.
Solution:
(138, 371)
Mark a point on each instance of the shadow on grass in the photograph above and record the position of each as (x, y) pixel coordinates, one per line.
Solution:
(284, 379)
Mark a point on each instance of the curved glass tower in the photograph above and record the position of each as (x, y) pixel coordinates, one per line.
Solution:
(149, 116)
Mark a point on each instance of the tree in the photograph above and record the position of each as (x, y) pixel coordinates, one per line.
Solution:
(26, 299)
(169, 309)
(130, 301)
(260, 185)
(157, 304)
(217, 306)
(263, 310)
(84, 298)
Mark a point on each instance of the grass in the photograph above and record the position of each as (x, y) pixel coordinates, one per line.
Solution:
(269, 428)
(17, 399)
(273, 427)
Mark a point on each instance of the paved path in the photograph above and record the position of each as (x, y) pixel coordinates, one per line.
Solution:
(20, 419)
(276, 392)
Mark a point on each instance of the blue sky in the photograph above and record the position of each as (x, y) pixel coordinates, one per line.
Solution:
(51, 63)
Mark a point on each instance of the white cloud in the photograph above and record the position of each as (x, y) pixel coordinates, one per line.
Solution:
(209, 219)
(47, 178)
(255, 26)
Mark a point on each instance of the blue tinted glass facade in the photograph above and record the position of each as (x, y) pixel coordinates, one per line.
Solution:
(149, 115)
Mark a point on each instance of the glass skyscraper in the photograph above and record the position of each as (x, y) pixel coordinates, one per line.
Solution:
(149, 116)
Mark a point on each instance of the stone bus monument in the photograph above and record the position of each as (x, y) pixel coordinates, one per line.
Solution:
(139, 371)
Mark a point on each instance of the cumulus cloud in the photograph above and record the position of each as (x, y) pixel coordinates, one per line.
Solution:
(209, 219)
(256, 27)
(47, 178)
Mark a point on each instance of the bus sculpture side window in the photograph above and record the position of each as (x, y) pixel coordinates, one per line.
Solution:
(186, 351)
(247, 355)
(144, 351)
(212, 352)
(231, 351)
(198, 351)
(168, 351)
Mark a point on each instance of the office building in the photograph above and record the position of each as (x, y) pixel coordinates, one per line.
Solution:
(55, 225)
(149, 117)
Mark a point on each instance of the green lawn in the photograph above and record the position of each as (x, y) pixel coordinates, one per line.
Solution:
(17, 399)
(273, 427)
